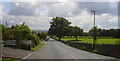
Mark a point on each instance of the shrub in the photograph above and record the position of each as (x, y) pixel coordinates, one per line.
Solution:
(43, 35)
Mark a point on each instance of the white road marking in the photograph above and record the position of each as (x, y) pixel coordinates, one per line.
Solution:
(73, 57)
(28, 55)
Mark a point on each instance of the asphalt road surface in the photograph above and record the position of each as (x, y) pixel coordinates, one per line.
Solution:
(57, 50)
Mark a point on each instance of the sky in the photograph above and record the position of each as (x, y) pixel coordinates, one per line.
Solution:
(38, 15)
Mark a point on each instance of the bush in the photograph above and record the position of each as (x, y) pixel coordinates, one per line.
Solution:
(43, 35)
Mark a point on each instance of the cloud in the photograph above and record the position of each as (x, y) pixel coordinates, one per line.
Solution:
(100, 7)
(60, 0)
(38, 15)
(107, 21)
(35, 23)
(62, 9)
(22, 8)
(85, 21)
(1, 10)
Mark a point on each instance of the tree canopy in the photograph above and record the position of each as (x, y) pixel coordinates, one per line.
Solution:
(18, 33)
(57, 26)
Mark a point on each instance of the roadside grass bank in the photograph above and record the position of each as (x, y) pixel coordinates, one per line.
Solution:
(37, 47)
(10, 59)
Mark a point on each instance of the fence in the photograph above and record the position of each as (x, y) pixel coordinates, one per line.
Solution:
(106, 49)
(25, 44)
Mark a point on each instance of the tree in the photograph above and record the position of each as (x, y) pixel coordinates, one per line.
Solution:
(109, 32)
(20, 33)
(42, 35)
(77, 32)
(34, 38)
(7, 33)
(94, 32)
(69, 31)
(57, 26)
(85, 34)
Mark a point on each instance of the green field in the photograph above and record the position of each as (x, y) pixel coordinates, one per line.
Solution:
(101, 40)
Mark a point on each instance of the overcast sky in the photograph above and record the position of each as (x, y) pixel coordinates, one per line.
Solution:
(38, 15)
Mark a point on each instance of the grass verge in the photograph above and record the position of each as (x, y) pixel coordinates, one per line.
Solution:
(37, 47)
(10, 59)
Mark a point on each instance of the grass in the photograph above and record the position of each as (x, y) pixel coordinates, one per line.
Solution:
(41, 44)
(104, 40)
(99, 41)
(10, 59)
(37, 47)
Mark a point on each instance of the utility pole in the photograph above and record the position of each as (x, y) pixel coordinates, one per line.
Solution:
(94, 36)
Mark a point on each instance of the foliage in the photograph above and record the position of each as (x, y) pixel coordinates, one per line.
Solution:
(57, 27)
(73, 31)
(85, 34)
(77, 31)
(69, 31)
(19, 32)
(0, 32)
(109, 32)
(34, 38)
(42, 35)
(94, 32)
(22, 30)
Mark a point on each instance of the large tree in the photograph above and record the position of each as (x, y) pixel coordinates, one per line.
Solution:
(73, 31)
(57, 26)
(69, 31)
(94, 32)
(77, 32)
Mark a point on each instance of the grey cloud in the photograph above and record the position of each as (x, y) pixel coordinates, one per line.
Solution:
(99, 7)
(22, 9)
(62, 9)
(36, 23)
